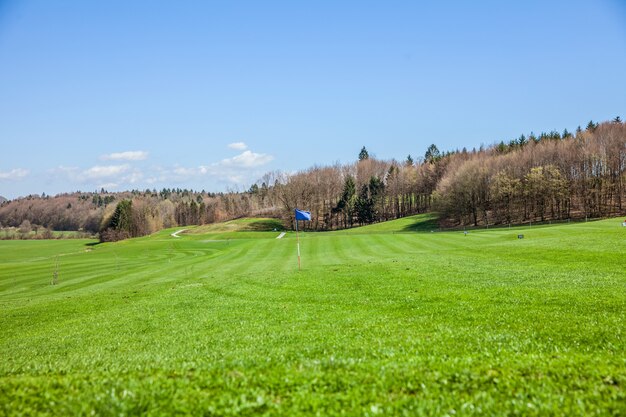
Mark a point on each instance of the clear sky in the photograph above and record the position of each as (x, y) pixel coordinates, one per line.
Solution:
(212, 94)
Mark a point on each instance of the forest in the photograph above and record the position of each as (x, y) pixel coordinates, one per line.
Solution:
(550, 176)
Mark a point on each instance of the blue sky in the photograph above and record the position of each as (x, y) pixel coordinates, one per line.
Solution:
(212, 94)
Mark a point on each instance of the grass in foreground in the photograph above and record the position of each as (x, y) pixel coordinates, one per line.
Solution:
(376, 323)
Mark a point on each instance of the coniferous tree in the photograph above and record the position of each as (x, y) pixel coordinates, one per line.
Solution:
(363, 155)
(122, 216)
(591, 126)
(432, 154)
(346, 203)
(566, 134)
(120, 226)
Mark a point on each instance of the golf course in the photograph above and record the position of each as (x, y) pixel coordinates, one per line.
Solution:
(395, 318)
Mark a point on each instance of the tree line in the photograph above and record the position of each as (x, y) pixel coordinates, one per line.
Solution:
(551, 176)
(148, 211)
(531, 178)
(554, 177)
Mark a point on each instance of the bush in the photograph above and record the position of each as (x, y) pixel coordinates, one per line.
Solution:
(112, 235)
(25, 227)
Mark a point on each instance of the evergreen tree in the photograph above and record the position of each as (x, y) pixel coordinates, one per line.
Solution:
(432, 154)
(591, 126)
(409, 160)
(566, 134)
(363, 206)
(346, 203)
(617, 120)
(122, 219)
(554, 135)
(363, 154)
(120, 226)
(193, 212)
(369, 197)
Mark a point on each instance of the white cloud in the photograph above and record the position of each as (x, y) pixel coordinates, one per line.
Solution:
(238, 146)
(64, 170)
(109, 185)
(107, 171)
(100, 176)
(236, 179)
(134, 177)
(187, 172)
(14, 174)
(126, 156)
(239, 170)
(247, 159)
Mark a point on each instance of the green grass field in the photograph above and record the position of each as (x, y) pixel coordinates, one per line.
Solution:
(220, 322)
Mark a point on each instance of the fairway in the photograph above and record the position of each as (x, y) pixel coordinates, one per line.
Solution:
(387, 319)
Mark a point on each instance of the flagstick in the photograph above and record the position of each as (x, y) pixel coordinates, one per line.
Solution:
(298, 239)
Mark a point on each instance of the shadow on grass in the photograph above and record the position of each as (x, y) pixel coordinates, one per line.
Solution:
(423, 224)
(265, 225)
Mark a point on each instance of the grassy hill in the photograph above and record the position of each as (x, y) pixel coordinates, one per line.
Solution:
(382, 319)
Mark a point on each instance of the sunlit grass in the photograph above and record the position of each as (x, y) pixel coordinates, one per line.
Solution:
(220, 322)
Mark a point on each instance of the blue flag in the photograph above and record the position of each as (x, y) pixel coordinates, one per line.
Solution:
(303, 215)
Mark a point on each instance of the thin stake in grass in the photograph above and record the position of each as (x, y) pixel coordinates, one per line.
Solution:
(55, 272)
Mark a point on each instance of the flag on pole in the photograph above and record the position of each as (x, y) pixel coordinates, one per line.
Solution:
(303, 215)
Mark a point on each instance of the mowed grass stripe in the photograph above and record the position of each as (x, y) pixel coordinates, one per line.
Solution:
(395, 246)
(338, 250)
